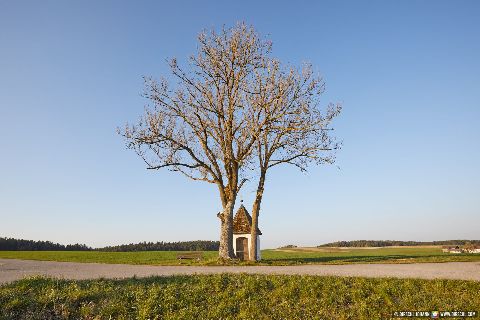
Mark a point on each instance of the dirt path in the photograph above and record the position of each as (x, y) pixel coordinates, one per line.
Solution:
(11, 269)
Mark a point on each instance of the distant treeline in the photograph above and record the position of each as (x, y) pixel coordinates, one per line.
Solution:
(288, 246)
(30, 245)
(198, 245)
(12, 244)
(389, 243)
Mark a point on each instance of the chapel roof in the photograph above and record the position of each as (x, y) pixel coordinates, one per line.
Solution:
(242, 222)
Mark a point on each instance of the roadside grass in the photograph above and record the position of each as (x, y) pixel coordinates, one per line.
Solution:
(227, 296)
(269, 256)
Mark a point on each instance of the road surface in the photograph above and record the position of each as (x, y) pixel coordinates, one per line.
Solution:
(12, 269)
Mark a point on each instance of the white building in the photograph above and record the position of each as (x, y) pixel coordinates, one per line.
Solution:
(242, 224)
(465, 249)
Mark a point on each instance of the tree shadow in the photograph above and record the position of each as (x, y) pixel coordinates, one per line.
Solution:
(337, 259)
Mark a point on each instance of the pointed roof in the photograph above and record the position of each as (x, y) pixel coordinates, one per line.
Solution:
(242, 222)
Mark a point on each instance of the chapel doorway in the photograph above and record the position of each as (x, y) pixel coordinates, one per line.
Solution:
(242, 248)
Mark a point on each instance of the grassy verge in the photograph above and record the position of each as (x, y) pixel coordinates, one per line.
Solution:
(231, 297)
(269, 257)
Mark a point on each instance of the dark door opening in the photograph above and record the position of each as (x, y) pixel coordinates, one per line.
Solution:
(242, 248)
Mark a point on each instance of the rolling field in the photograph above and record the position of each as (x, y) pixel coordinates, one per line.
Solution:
(233, 297)
(363, 255)
(269, 256)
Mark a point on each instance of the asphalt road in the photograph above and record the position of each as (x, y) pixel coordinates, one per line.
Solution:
(12, 269)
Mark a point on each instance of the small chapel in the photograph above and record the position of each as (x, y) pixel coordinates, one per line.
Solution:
(242, 224)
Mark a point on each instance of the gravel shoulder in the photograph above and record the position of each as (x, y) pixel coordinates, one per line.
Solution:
(13, 269)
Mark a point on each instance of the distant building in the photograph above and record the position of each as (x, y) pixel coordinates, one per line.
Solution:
(452, 249)
(242, 224)
(458, 249)
(474, 249)
(447, 249)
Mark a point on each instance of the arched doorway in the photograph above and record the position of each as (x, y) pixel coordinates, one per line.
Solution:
(242, 248)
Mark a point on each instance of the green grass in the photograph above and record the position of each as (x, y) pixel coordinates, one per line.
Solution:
(269, 257)
(232, 297)
(357, 255)
(144, 257)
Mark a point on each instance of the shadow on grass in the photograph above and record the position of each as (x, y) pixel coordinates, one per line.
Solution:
(355, 259)
(46, 281)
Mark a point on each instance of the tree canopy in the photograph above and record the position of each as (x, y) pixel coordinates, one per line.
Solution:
(233, 103)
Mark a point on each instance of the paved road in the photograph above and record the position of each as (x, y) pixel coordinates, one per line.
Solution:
(12, 269)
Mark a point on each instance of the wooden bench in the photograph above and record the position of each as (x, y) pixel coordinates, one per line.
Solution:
(198, 255)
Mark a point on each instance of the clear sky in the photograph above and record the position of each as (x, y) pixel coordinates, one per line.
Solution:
(406, 72)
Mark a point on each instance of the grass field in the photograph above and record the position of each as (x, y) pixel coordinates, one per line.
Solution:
(232, 297)
(269, 257)
(144, 257)
(363, 255)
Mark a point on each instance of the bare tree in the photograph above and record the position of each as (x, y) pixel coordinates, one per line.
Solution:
(204, 126)
(296, 130)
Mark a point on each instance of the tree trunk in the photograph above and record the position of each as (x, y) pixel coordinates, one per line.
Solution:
(253, 232)
(255, 214)
(226, 232)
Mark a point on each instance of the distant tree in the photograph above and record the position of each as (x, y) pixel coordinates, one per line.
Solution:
(297, 131)
(288, 246)
(469, 246)
(206, 125)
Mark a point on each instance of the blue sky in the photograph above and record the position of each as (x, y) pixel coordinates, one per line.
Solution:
(406, 72)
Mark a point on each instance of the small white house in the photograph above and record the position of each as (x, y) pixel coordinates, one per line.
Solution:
(455, 249)
(242, 224)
